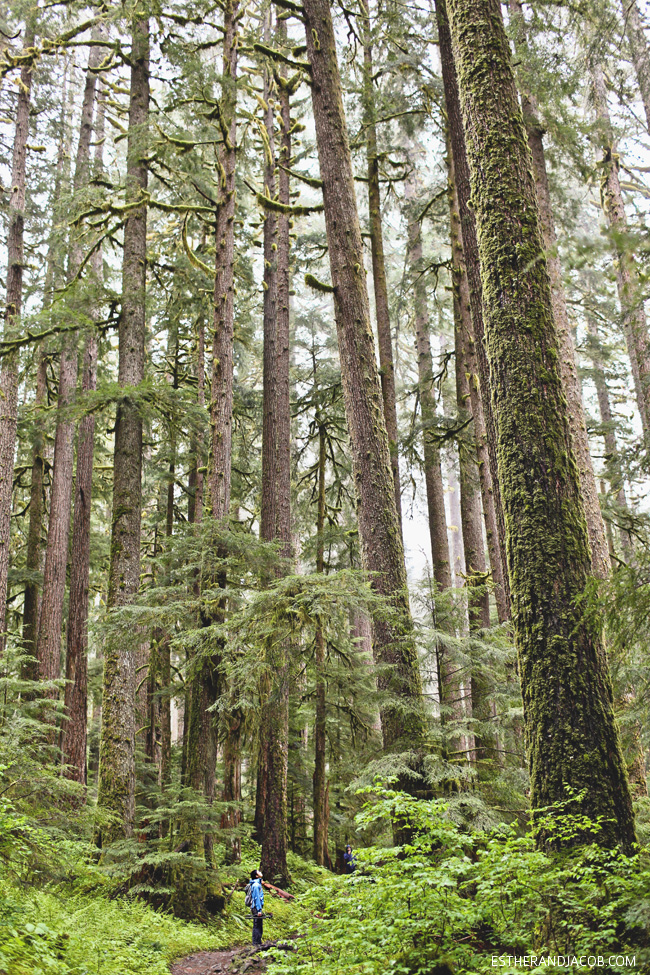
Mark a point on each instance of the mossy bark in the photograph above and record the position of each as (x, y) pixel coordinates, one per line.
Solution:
(379, 529)
(572, 738)
(116, 789)
(577, 423)
(13, 308)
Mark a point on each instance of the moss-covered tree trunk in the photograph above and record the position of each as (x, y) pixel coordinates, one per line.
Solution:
(635, 326)
(13, 309)
(476, 342)
(379, 282)
(572, 738)
(116, 790)
(568, 367)
(379, 529)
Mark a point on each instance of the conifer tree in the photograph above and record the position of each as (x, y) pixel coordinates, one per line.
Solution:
(116, 787)
(572, 739)
(378, 521)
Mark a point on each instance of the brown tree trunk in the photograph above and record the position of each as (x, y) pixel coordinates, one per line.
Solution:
(577, 424)
(571, 732)
(268, 514)
(635, 33)
(379, 529)
(276, 720)
(320, 741)
(635, 326)
(475, 342)
(13, 308)
(48, 647)
(116, 791)
(612, 457)
(75, 723)
(380, 286)
(34, 558)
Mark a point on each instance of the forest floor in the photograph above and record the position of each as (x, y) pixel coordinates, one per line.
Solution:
(230, 961)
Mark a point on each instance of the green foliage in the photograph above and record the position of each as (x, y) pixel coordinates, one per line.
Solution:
(456, 898)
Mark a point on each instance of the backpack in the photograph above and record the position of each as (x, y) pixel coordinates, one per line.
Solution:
(248, 900)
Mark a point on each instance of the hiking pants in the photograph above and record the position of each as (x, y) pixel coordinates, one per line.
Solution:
(257, 930)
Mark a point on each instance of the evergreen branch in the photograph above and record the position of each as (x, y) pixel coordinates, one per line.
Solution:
(317, 184)
(291, 211)
(278, 56)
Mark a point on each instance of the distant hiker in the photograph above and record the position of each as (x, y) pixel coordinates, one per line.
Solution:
(348, 858)
(257, 904)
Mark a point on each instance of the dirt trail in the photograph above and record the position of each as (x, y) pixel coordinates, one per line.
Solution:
(228, 961)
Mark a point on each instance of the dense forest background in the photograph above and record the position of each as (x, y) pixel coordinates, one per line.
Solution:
(324, 425)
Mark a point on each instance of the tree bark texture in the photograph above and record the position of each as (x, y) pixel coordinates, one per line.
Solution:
(34, 559)
(635, 326)
(320, 741)
(572, 390)
(608, 430)
(465, 339)
(379, 529)
(224, 286)
(74, 738)
(275, 722)
(380, 285)
(48, 648)
(13, 309)
(572, 738)
(475, 297)
(116, 791)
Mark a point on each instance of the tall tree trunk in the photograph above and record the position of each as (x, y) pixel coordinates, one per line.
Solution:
(13, 309)
(379, 529)
(612, 457)
(380, 286)
(635, 33)
(635, 326)
(34, 557)
(76, 667)
(465, 343)
(577, 423)
(276, 720)
(572, 736)
(48, 647)
(476, 342)
(116, 791)
(320, 741)
(478, 599)
(268, 515)
(202, 740)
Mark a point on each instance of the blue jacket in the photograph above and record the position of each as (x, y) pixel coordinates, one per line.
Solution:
(257, 892)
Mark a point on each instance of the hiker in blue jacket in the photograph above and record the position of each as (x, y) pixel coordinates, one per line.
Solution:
(257, 893)
(349, 860)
